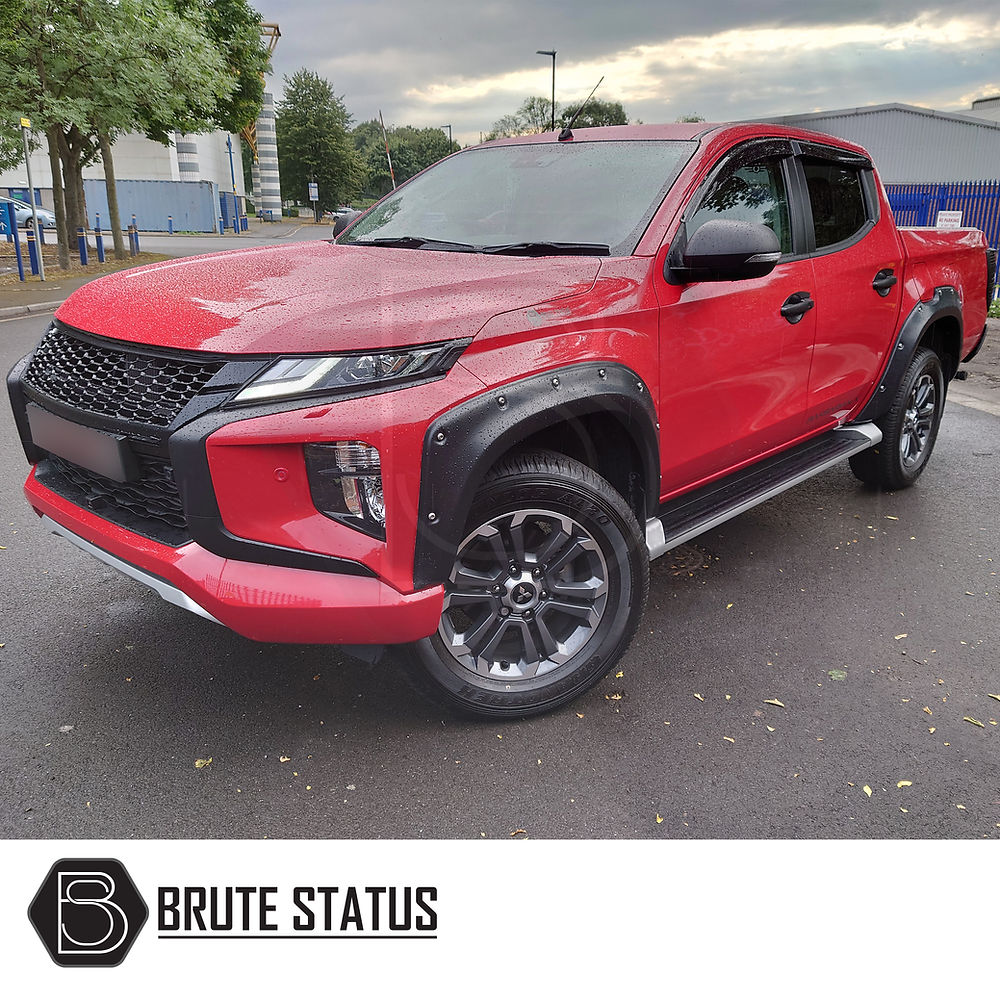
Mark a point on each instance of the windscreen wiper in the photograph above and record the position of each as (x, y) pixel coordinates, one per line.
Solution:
(542, 248)
(414, 243)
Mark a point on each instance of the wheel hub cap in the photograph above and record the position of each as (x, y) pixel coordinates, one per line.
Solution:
(918, 421)
(526, 593)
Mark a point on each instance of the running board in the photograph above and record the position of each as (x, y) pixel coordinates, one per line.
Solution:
(687, 516)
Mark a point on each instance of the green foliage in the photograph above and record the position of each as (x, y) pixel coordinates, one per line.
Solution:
(311, 126)
(596, 113)
(995, 309)
(532, 117)
(412, 149)
(689, 118)
(535, 115)
(233, 29)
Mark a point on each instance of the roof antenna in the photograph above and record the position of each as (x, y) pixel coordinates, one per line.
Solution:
(567, 132)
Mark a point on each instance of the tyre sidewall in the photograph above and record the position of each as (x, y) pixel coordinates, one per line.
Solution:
(627, 565)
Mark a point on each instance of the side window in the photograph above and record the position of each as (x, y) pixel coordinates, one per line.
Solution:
(837, 200)
(750, 193)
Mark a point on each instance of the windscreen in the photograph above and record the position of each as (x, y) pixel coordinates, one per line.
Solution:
(598, 194)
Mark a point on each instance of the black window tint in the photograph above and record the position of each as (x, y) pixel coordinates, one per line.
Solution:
(751, 193)
(838, 203)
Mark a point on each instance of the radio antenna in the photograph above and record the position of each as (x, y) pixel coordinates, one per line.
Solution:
(567, 132)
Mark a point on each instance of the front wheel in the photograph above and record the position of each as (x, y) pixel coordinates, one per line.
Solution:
(545, 593)
(909, 429)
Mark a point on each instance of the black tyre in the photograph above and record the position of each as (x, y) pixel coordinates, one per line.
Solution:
(909, 429)
(545, 594)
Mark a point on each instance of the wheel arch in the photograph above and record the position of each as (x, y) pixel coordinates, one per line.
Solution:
(599, 413)
(936, 324)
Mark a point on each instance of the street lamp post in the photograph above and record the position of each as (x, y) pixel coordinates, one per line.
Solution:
(448, 127)
(551, 52)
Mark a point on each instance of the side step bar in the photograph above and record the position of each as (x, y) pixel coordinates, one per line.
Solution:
(687, 516)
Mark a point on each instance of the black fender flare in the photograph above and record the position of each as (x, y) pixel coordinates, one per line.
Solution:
(464, 443)
(945, 304)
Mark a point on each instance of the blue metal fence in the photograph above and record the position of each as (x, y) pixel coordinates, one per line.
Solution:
(191, 206)
(978, 201)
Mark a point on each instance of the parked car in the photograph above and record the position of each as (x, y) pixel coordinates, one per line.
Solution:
(22, 213)
(470, 423)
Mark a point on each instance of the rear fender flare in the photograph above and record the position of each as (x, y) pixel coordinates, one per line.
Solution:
(944, 305)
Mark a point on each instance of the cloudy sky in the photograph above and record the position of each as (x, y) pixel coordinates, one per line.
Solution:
(434, 62)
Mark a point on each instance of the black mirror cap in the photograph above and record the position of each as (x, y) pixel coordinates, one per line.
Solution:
(727, 250)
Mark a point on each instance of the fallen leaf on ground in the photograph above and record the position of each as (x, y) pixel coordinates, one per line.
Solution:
(729, 739)
(770, 729)
(903, 784)
(659, 818)
(889, 517)
(975, 722)
(203, 762)
(902, 810)
(66, 729)
(868, 791)
(284, 760)
(933, 729)
(700, 697)
(621, 673)
(773, 701)
(579, 715)
(996, 697)
(959, 806)
(514, 833)
(902, 635)
(927, 710)
(614, 696)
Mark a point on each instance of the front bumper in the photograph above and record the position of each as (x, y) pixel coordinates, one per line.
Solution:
(261, 602)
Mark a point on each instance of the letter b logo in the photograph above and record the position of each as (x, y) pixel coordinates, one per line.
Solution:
(88, 912)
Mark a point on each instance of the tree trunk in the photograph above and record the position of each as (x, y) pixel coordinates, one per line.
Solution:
(59, 207)
(66, 154)
(109, 182)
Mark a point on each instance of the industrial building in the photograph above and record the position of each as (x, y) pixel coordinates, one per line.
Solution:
(912, 145)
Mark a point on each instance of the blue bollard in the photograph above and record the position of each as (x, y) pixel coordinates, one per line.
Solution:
(41, 235)
(81, 242)
(136, 231)
(32, 251)
(170, 225)
(99, 238)
(17, 252)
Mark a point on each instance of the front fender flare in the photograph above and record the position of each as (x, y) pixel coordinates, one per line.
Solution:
(461, 445)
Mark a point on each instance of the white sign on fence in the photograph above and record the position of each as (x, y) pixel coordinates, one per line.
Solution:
(314, 193)
(949, 220)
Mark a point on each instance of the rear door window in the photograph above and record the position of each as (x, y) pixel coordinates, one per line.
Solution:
(837, 200)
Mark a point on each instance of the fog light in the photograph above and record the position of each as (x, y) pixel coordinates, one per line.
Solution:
(345, 480)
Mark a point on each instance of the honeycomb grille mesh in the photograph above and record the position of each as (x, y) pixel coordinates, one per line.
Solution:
(125, 385)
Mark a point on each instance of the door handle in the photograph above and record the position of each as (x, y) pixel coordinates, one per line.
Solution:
(796, 306)
(884, 280)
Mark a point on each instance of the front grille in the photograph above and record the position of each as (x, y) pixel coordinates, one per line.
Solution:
(150, 505)
(115, 382)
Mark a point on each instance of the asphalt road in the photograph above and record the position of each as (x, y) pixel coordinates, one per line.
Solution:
(872, 618)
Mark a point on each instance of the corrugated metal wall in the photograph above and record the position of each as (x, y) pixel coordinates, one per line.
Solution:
(194, 205)
(910, 147)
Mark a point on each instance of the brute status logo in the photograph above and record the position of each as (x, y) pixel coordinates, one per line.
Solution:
(88, 912)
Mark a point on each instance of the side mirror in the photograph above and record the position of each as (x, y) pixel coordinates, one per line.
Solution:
(727, 250)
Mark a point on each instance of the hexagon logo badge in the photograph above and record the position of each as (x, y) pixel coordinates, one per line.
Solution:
(88, 912)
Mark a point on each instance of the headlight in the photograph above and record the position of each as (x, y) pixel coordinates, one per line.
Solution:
(313, 376)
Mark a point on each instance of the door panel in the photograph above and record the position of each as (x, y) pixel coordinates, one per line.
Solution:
(857, 301)
(734, 370)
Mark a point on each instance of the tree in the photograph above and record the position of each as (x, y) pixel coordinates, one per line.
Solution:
(532, 117)
(689, 118)
(311, 127)
(595, 113)
(94, 69)
(412, 149)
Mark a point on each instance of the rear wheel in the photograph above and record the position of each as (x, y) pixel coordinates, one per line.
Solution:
(545, 593)
(909, 429)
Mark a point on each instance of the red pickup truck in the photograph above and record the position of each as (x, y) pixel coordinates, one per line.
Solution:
(469, 423)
